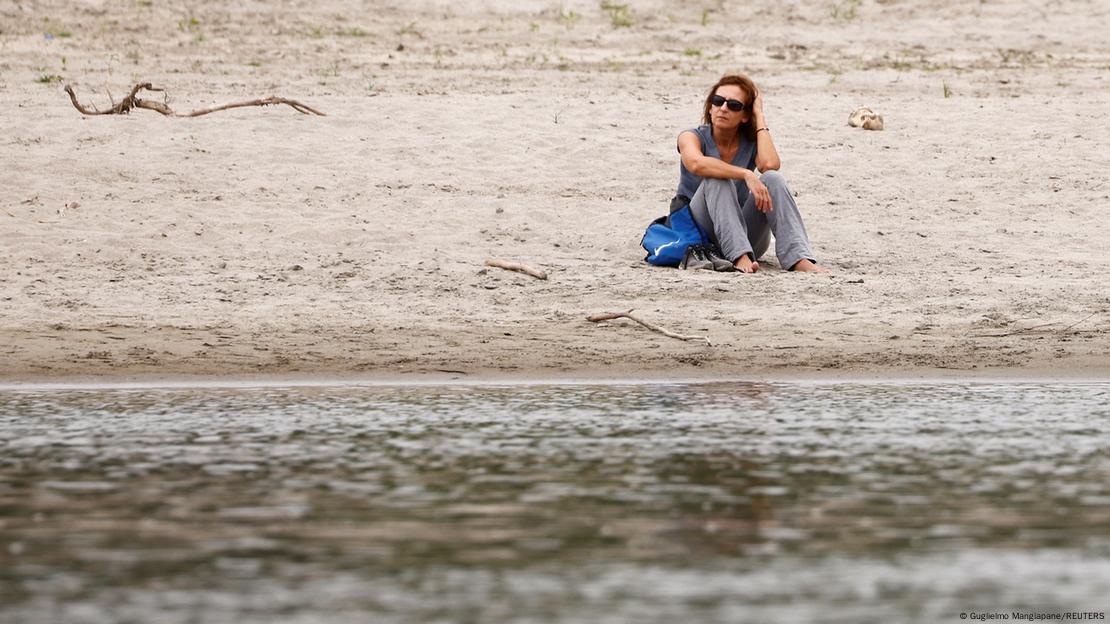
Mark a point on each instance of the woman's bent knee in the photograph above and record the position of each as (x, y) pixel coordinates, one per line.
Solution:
(772, 178)
(712, 182)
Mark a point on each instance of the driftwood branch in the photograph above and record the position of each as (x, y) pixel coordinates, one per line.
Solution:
(1034, 329)
(1078, 322)
(516, 266)
(608, 316)
(133, 101)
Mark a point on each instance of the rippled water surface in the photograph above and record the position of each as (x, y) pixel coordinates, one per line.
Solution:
(719, 502)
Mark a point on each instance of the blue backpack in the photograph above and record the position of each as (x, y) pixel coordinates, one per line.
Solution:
(667, 238)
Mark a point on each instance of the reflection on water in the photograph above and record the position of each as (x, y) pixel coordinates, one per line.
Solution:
(704, 503)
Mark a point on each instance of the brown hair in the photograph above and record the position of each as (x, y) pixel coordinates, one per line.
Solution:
(747, 129)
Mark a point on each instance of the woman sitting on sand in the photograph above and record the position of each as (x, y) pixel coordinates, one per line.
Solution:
(737, 208)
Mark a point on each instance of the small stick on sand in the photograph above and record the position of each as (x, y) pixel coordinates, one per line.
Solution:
(133, 101)
(608, 316)
(516, 266)
(1036, 329)
(1064, 330)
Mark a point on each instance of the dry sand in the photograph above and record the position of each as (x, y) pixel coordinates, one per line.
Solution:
(966, 237)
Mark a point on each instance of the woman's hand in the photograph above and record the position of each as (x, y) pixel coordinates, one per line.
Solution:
(766, 156)
(760, 193)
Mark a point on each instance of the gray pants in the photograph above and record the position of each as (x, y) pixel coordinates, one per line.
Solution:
(745, 230)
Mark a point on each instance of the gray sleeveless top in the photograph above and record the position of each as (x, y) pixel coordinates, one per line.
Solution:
(688, 183)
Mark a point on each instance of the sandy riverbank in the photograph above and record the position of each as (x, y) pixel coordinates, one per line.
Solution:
(260, 242)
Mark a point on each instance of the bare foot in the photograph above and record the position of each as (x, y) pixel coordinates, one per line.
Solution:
(805, 266)
(746, 265)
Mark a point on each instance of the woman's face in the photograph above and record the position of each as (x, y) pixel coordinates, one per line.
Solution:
(724, 117)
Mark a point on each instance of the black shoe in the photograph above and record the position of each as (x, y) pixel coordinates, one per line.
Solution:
(705, 256)
(696, 257)
(719, 263)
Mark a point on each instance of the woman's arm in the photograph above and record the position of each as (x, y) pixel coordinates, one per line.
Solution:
(704, 166)
(766, 156)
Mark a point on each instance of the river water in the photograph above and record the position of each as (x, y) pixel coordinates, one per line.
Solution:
(719, 502)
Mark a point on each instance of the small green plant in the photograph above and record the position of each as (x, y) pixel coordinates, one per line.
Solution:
(60, 34)
(947, 91)
(1025, 58)
(410, 29)
(533, 26)
(188, 24)
(619, 14)
(847, 10)
(691, 52)
(354, 32)
(48, 78)
(705, 17)
(567, 18)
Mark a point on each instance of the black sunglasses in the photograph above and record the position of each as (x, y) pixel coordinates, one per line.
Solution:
(733, 105)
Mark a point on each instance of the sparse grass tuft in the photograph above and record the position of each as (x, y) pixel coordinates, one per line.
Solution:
(691, 52)
(48, 78)
(619, 14)
(947, 91)
(1024, 58)
(410, 29)
(188, 24)
(567, 18)
(354, 32)
(846, 10)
